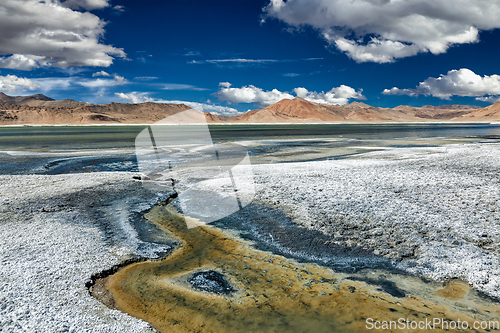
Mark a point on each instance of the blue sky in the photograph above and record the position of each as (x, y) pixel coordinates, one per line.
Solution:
(232, 56)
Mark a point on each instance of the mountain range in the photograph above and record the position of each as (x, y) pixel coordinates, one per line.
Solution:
(40, 109)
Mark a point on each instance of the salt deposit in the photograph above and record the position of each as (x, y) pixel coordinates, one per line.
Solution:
(433, 212)
(50, 248)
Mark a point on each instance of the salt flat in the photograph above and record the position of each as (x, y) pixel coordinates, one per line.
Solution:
(430, 211)
(433, 211)
(51, 245)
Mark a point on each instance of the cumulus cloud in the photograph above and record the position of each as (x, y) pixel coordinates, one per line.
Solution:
(462, 82)
(135, 97)
(384, 30)
(336, 96)
(101, 73)
(86, 4)
(102, 83)
(119, 9)
(12, 84)
(252, 94)
(52, 33)
(224, 110)
(143, 97)
(21, 61)
(489, 99)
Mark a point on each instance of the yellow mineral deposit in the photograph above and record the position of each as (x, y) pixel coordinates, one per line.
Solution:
(273, 293)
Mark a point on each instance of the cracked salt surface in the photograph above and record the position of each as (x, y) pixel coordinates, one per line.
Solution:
(433, 212)
(47, 254)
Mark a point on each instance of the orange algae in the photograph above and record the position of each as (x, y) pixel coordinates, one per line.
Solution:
(274, 294)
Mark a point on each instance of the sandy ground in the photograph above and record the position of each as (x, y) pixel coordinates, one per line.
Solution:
(54, 239)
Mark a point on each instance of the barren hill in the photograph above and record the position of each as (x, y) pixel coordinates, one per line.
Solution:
(300, 110)
(39, 100)
(489, 113)
(286, 110)
(40, 109)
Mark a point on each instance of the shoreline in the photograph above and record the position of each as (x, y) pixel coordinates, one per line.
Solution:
(254, 124)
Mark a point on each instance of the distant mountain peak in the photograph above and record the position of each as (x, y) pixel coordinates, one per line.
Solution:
(24, 99)
(40, 97)
(357, 105)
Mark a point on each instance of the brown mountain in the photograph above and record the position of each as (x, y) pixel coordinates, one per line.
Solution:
(489, 113)
(23, 100)
(71, 112)
(299, 110)
(39, 100)
(40, 109)
(286, 110)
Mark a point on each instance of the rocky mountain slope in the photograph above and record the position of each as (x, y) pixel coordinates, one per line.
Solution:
(300, 110)
(40, 109)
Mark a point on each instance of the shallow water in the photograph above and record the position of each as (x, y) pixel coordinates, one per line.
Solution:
(48, 138)
(73, 149)
(273, 293)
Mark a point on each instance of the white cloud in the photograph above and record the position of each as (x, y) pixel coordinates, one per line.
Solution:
(119, 8)
(489, 99)
(247, 62)
(21, 61)
(384, 30)
(178, 86)
(224, 84)
(50, 33)
(48, 84)
(101, 73)
(462, 82)
(145, 78)
(252, 94)
(135, 97)
(143, 97)
(12, 84)
(336, 96)
(238, 60)
(86, 4)
(207, 107)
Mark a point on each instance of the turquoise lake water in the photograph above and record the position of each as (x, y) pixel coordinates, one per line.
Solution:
(45, 138)
(70, 149)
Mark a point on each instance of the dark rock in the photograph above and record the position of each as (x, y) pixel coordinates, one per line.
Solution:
(212, 282)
